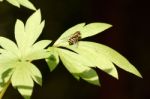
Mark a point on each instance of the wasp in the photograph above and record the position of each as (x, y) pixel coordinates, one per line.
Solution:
(74, 38)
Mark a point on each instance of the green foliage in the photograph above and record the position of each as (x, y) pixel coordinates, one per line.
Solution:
(80, 58)
(25, 3)
(78, 66)
(86, 31)
(53, 58)
(16, 58)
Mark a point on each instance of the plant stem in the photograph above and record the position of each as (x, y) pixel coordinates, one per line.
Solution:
(4, 89)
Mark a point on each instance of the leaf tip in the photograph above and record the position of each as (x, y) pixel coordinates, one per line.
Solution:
(38, 10)
(117, 77)
(33, 8)
(139, 75)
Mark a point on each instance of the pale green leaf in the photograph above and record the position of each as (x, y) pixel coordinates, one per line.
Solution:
(19, 57)
(8, 45)
(37, 51)
(7, 57)
(2, 51)
(41, 44)
(4, 69)
(21, 79)
(1, 0)
(69, 32)
(33, 28)
(14, 2)
(75, 63)
(5, 74)
(91, 77)
(38, 31)
(27, 4)
(53, 58)
(93, 29)
(77, 77)
(85, 30)
(24, 83)
(36, 55)
(113, 56)
(20, 33)
(96, 58)
(78, 66)
(26, 36)
(34, 72)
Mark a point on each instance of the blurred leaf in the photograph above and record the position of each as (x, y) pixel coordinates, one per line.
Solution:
(113, 56)
(69, 32)
(93, 29)
(34, 27)
(96, 58)
(8, 45)
(18, 56)
(53, 58)
(34, 72)
(74, 62)
(89, 54)
(23, 76)
(37, 51)
(91, 77)
(41, 44)
(5, 74)
(14, 2)
(85, 30)
(26, 36)
(25, 3)
(36, 55)
(21, 79)
(20, 33)
(78, 66)
(7, 57)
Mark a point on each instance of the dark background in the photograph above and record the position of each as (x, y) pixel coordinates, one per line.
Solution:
(129, 36)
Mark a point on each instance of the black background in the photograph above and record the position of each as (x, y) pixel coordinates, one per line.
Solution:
(129, 36)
